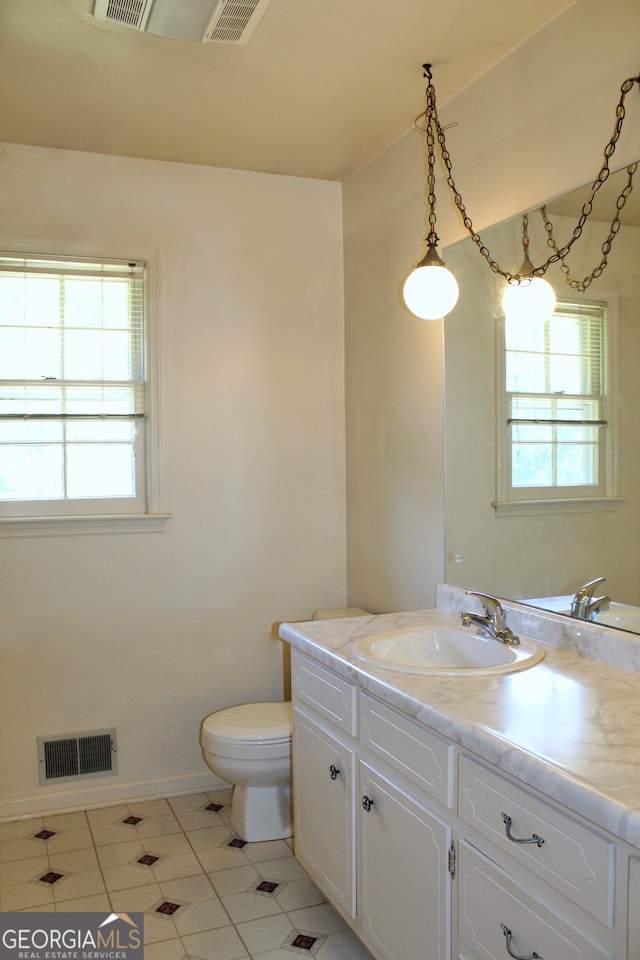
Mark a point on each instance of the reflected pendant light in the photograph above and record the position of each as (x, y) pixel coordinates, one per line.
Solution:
(526, 296)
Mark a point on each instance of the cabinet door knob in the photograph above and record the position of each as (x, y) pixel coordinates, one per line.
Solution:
(367, 803)
(534, 838)
(334, 773)
(517, 956)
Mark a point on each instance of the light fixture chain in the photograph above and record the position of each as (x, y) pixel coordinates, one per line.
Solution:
(559, 254)
(466, 219)
(431, 158)
(582, 285)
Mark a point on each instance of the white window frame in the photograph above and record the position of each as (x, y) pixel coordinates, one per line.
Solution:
(103, 516)
(602, 496)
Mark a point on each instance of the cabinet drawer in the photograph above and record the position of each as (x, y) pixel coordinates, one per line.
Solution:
(417, 753)
(490, 904)
(329, 695)
(572, 858)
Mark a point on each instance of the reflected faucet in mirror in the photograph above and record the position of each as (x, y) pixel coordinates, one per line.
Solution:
(494, 622)
(584, 605)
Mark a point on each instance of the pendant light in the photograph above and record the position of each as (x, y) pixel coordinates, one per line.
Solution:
(431, 290)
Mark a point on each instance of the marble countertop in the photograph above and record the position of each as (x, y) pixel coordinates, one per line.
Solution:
(569, 726)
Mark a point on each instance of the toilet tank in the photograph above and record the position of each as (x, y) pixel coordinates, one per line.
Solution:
(338, 613)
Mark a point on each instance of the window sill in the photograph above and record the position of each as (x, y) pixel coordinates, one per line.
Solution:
(72, 526)
(515, 508)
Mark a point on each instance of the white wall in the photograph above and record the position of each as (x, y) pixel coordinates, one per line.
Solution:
(150, 632)
(393, 398)
(532, 128)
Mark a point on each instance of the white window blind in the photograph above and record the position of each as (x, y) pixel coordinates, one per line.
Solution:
(72, 382)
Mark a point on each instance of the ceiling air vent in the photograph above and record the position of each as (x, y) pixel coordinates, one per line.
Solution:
(201, 21)
(235, 20)
(132, 13)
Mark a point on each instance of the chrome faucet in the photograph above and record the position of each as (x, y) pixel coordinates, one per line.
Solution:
(494, 622)
(584, 605)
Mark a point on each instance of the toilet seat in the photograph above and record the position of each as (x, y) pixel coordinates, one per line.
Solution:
(249, 729)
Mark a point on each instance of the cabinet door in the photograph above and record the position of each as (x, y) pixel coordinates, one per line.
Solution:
(323, 776)
(405, 888)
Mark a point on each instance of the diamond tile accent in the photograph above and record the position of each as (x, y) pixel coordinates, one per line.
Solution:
(45, 835)
(51, 877)
(167, 908)
(214, 807)
(133, 821)
(266, 886)
(237, 842)
(147, 860)
(303, 941)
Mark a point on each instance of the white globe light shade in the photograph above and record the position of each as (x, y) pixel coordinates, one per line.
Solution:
(533, 298)
(430, 292)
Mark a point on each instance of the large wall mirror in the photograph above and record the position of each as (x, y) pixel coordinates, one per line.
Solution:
(524, 551)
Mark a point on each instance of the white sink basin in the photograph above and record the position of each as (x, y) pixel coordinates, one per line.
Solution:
(444, 650)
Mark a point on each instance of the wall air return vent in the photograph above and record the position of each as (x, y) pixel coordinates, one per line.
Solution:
(77, 756)
(202, 21)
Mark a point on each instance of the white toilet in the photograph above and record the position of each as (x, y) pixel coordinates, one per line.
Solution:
(249, 745)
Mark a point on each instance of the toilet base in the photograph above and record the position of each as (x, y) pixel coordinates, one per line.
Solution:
(261, 813)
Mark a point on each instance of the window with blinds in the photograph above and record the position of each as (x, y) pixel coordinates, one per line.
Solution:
(554, 409)
(72, 386)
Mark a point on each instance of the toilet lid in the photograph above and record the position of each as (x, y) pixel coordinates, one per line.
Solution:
(250, 721)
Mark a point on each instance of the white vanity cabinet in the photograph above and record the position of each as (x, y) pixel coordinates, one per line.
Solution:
(364, 829)
(431, 853)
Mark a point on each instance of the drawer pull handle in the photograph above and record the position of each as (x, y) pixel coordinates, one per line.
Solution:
(534, 838)
(517, 956)
(367, 803)
(334, 773)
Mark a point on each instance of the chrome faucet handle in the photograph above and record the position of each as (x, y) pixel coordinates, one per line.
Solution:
(492, 606)
(588, 589)
(494, 623)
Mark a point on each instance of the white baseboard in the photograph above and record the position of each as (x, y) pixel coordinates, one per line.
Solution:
(82, 797)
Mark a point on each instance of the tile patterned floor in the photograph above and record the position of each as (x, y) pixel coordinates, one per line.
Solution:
(205, 894)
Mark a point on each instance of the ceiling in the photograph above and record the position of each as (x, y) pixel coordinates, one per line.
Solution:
(320, 87)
